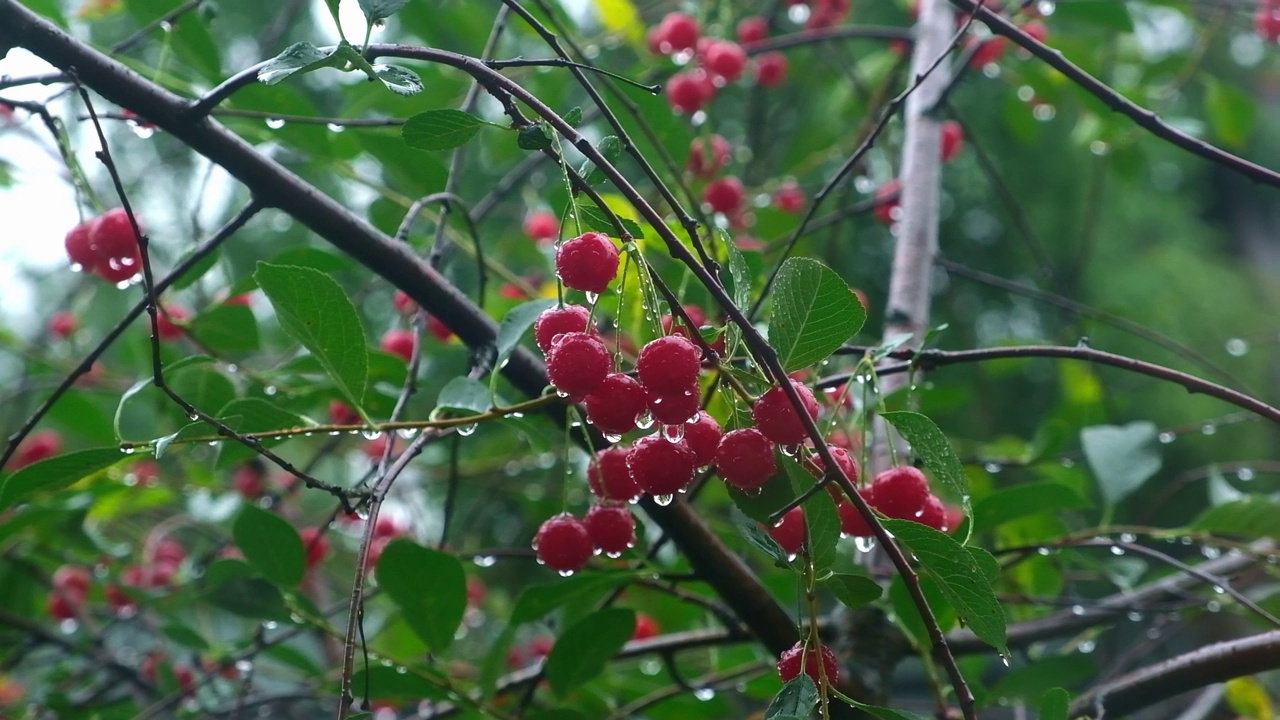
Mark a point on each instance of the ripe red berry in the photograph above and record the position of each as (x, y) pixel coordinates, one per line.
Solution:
(674, 408)
(541, 226)
(62, 324)
(745, 459)
(789, 533)
(706, 165)
(399, 342)
(646, 627)
(887, 201)
(818, 663)
(725, 195)
(844, 460)
(118, 600)
(1037, 30)
(167, 330)
(989, 51)
(789, 198)
(38, 446)
(612, 528)
(556, 321)
(1267, 22)
(60, 608)
(250, 481)
(669, 364)
(724, 59)
(588, 262)
(72, 582)
(563, 544)
(116, 245)
(778, 420)
(659, 466)
(689, 91)
(674, 326)
(609, 477)
(341, 413)
(952, 139)
(438, 329)
(79, 250)
(752, 29)
(900, 492)
(476, 591)
(680, 32)
(578, 364)
(168, 552)
(828, 13)
(614, 406)
(852, 524)
(771, 69)
(932, 514)
(316, 544)
(954, 517)
(702, 435)
(404, 304)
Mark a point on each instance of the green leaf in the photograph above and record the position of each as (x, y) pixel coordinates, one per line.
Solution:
(1055, 704)
(1122, 457)
(538, 600)
(1231, 112)
(301, 57)
(1024, 500)
(814, 313)
(574, 116)
(249, 597)
(440, 129)
(203, 387)
(853, 591)
(583, 651)
(389, 684)
(401, 81)
(516, 323)
(758, 537)
(57, 473)
(1249, 699)
(823, 523)
(795, 701)
(1103, 13)
(375, 10)
(611, 148)
(961, 577)
(429, 587)
(907, 615)
(594, 219)
(1254, 516)
(1220, 490)
(271, 545)
(772, 497)
(316, 312)
(250, 415)
(226, 329)
(463, 393)
(888, 713)
(1031, 681)
(931, 446)
(533, 137)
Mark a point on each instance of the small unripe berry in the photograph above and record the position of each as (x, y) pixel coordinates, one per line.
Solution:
(556, 321)
(778, 420)
(702, 435)
(725, 59)
(659, 466)
(615, 405)
(563, 544)
(609, 477)
(399, 342)
(771, 69)
(706, 164)
(952, 139)
(669, 364)
(790, 662)
(789, 533)
(752, 29)
(612, 528)
(541, 226)
(578, 364)
(316, 544)
(900, 492)
(588, 262)
(745, 459)
(725, 195)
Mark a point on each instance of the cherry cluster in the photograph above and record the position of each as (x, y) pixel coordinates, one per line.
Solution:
(71, 583)
(106, 245)
(716, 62)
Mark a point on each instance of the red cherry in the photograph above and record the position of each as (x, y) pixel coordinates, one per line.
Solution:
(847, 464)
(399, 342)
(609, 477)
(689, 91)
(588, 262)
(438, 329)
(789, 198)
(167, 330)
(1267, 22)
(724, 59)
(79, 249)
(168, 552)
(706, 167)
(852, 524)
(669, 365)
(615, 405)
(900, 492)
(952, 139)
(563, 544)
(725, 195)
(374, 449)
(828, 13)
(789, 533)
(646, 627)
(404, 304)
(790, 662)
(341, 413)
(72, 582)
(612, 528)
(932, 514)
(316, 544)
(40, 445)
(476, 591)
(1037, 30)
(250, 481)
(60, 608)
(578, 365)
(680, 31)
(118, 600)
(112, 235)
(674, 408)
(745, 459)
(702, 435)
(556, 321)
(659, 466)
(771, 69)
(778, 420)
(989, 51)
(63, 324)
(752, 29)
(954, 517)
(541, 226)
(887, 201)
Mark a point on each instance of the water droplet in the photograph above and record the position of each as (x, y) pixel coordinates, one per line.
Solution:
(407, 433)
(370, 434)
(335, 127)
(1167, 437)
(566, 573)
(1186, 540)
(1219, 589)
(516, 415)
(270, 390)
(789, 450)
(1153, 633)
(193, 416)
(485, 561)
(663, 500)
(650, 667)
(561, 393)
(128, 450)
(1213, 606)
(1209, 429)
(993, 467)
(673, 433)
(704, 694)
(143, 132)
(1004, 659)
(1237, 347)
(864, 544)
(1044, 551)
(592, 298)
(1210, 552)
(1134, 616)
(1099, 147)
(1068, 462)
(1245, 474)
(613, 555)
(1077, 609)
(1046, 7)
(275, 123)
(233, 368)
(644, 420)
(466, 430)
(1087, 647)
(1117, 550)
(270, 625)
(68, 626)
(612, 438)
(1128, 537)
